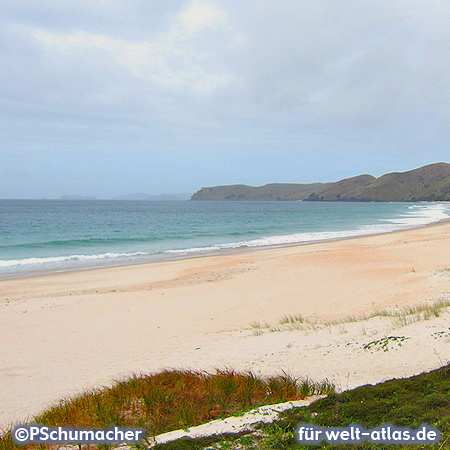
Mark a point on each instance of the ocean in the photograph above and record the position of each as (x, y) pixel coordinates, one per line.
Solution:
(57, 235)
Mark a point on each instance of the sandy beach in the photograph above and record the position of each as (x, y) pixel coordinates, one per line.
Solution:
(62, 333)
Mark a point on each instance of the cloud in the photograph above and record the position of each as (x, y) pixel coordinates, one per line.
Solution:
(237, 69)
(174, 60)
(199, 15)
(348, 63)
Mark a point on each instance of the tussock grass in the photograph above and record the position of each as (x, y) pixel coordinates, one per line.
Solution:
(173, 399)
(420, 312)
(400, 318)
(407, 402)
(292, 319)
(445, 271)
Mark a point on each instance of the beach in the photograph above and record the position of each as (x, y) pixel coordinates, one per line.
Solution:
(66, 332)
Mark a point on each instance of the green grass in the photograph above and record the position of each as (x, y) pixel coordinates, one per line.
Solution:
(407, 402)
(385, 343)
(173, 399)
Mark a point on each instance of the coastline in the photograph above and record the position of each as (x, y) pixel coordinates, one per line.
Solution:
(82, 329)
(163, 258)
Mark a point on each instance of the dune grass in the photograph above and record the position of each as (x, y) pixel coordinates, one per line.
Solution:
(400, 318)
(445, 271)
(403, 316)
(407, 402)
(173, 399)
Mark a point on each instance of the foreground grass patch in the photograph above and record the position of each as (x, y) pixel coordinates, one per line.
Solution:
(173, 399)
(407, 402)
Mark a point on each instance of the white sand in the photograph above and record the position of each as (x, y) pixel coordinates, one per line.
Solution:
(246, 422)
(62, 333)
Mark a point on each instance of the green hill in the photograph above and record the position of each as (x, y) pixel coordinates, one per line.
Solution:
(428, 183)
(275, 191)
(346, 188)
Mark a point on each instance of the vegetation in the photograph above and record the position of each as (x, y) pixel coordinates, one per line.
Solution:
(400, 317)
(172, 400)
(407, 402)
(268, 192)
(428, 183)
(385, 343)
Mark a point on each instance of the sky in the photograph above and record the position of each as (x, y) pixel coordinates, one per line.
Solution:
(113, 97)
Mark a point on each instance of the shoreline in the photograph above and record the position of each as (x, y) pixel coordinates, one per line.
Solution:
(160, 259)
(71, 331)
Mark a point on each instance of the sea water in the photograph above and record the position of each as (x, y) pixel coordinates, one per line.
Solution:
(56, 235)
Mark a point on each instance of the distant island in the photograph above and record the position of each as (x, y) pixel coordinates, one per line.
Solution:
(153, 198)
(427, 183)
(140, 196)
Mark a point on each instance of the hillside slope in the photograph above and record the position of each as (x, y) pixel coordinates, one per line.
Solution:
(430, 182)
(268, 192)
(344, 189)
(427, 183)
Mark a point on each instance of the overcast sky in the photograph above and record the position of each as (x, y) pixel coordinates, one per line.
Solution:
(110, 97)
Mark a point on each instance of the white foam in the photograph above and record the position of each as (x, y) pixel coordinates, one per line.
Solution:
(417, 215)
(420, 215)
(59, 259)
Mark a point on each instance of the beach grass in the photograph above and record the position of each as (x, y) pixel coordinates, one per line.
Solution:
(171, 400)
(400, 317)
(408, 402)
(292, 319)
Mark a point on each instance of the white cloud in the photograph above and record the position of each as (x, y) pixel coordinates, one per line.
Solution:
(199, 15)
(178, 59)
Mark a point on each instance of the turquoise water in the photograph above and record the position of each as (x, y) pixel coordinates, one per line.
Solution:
(53, 235)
